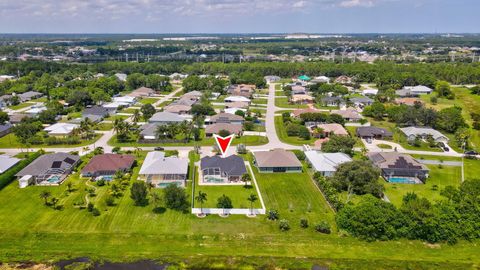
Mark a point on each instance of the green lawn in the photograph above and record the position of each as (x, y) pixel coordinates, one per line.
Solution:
(282, 134)
(238, 195)
(30, 231)
(259, 101)
(128, 110)
(104, 126)
(440, 177)
(295, 196)
(283, 103)
(10, 141)
(148, 100)
(21, 106)
(113, 117)
(352, 131)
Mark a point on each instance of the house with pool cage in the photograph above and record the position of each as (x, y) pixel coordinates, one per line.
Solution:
(161, 171)
(48, 170)
(399, 168)
(220, 170)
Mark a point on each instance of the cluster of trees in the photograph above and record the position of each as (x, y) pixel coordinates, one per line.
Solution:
(174, 197)
(324, 88)
(453, 218)
(172, 131)
(210, 83)
(322, 118)
(448, 119)
(154, 81)
(248, 77)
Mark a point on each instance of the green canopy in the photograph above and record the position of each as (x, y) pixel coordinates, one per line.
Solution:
(304, 78)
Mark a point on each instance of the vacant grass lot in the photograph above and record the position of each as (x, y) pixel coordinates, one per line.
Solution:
(21, 106)
(10, 141)
(149, 100)
(30, 231)
(283, 103)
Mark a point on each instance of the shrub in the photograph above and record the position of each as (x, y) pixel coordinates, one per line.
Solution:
(101, 183)
(323, 227)
(8, 176)
(272, 215)
(304, 223)
(110, 201)
(90, 207)
(95, 212)
(284, 225)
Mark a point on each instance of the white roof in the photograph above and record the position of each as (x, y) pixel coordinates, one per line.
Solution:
(115, 104)
(124, 99)
(237, 98)
(121, 76)
(6, 162)
(61, 128)
(423, 131)
(36, 110)
(157, 163)
(419, 89)
(370, 91)
(234, 110)
(326, 162)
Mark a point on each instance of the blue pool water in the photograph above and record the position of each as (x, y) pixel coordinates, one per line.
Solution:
(54, 179)
(211, 179)
(401, 180)
(163, 185)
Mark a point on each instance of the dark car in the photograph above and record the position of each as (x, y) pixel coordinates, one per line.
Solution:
(471, 153)
(158, 148)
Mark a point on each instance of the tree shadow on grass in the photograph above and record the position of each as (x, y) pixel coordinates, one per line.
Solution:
(159, 210)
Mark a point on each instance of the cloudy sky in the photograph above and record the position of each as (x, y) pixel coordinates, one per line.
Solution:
(239, 16)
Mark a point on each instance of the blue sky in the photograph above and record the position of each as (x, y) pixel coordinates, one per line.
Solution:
(239, 16)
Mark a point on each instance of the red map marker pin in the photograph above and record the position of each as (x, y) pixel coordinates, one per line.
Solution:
(223, 142)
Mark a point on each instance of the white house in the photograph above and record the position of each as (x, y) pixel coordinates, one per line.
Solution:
(6, 162)
(370, 92)
(162, 171)
(237, 99)
(326, 163)
(61, 129)
(424, 132)
(419, 89)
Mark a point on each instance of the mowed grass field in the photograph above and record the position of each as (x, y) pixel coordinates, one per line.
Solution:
(30, 231)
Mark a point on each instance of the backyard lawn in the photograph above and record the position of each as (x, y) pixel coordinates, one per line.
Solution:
(283, 103)
(237, 193)
(21, 106)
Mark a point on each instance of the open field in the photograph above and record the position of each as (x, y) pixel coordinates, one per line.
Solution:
(10, 141)
(127, 232)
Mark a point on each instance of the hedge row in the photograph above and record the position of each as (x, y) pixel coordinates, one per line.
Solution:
(7, 177)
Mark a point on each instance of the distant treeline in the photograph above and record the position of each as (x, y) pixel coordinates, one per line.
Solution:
(385, 74)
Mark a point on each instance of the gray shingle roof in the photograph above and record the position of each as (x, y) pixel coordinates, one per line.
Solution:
(49, 161)
(232, 165)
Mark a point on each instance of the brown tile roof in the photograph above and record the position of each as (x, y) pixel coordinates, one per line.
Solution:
(109, 162)
(276, 158)
(215, 128)
(298, 112)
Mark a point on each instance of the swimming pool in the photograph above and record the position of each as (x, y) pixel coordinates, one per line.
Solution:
(401, 180)
(213, 179)
(54, 179)
(164, 185)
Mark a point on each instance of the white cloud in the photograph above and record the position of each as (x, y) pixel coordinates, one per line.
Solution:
(357, 3)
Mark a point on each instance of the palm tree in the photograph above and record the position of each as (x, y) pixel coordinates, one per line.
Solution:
(201, 198)
(86, 126)
(45, 195)
(252, 199)
(117, 125)
(54, 202)
(246, 178)
(69, 186)
(172, 130)
(160, 131)
(136, 116)
(155, 199)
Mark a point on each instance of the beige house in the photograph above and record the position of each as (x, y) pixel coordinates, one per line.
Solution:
(277, 160)
(161, 171)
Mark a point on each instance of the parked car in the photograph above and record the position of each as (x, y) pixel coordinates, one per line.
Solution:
(471, 153)
(158, 148)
